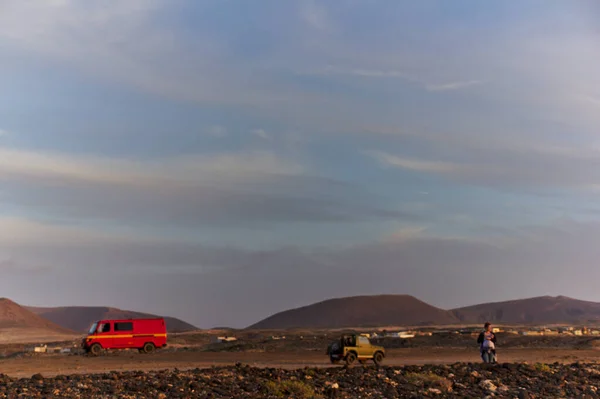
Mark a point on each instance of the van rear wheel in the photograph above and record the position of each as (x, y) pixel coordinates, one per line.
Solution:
(149, 347)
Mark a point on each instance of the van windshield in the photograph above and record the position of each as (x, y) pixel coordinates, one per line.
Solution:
(93, 328)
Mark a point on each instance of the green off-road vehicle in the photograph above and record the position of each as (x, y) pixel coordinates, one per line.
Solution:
(351, 347)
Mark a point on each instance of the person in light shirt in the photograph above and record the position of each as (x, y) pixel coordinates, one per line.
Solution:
(487, 344)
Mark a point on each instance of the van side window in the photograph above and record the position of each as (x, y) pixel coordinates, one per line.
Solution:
(124, 326)
(105, 327)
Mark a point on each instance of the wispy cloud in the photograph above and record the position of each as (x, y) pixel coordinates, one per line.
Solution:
(452, 85)
(172, 171)
(17, 231)
(396, 74)
(415, 165)
(261, 133)
(405, 234)
(367, 73)
(3, 132)
(125, 44)
(229, 189)
(543, 166)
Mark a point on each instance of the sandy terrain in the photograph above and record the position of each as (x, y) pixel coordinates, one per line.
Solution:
(32, 336)
(189, 351)
(51, 365)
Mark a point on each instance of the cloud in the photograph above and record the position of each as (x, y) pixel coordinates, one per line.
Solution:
(406, 233)
(229, 189)
(559, 258)
(533, 124)
(16, 231)
(452, 85)
(197, 207)
(182, 170)
(394, 74)
(261, 133)
(416, 165)
(131, 44)
(4, 132)
(367, 73)
(508, 160)
(128, 43)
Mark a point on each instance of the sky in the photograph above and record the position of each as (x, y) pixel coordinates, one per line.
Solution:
(220, 160)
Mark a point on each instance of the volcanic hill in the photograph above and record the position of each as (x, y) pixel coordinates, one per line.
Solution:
(538, 310)
(20, 324)
(405, 310)
(360, 311)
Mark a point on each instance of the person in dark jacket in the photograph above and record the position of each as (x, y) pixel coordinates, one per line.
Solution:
(487, 344)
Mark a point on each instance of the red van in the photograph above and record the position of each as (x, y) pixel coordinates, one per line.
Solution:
(143, 334)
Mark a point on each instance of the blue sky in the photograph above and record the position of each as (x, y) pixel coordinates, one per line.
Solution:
(223, 160)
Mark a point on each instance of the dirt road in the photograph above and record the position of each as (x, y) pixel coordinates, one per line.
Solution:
(51, 365)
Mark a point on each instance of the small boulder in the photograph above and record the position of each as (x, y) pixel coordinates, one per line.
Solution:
(488, 385)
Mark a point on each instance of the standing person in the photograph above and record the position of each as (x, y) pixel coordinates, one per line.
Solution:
(487, 344)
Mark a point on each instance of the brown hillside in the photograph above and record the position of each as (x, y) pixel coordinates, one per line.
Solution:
(360, 311)
(17, 324)
(80, 318)
(13, 315)
(538, 310)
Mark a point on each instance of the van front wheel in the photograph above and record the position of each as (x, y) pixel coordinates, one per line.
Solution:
(95, 349)
(149, 347)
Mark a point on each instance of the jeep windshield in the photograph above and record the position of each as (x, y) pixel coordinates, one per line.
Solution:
(93, 328)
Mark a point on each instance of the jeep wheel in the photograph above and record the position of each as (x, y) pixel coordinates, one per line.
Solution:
(333, 360)
(149, 347)
(378, 358)
(95, 349)
(350, 358)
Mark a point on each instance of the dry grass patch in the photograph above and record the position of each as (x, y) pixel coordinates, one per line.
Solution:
(542, 367)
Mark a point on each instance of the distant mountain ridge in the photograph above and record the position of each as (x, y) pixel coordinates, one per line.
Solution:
(539, 310)
(360, 311)
(80, 318)
(406, 310)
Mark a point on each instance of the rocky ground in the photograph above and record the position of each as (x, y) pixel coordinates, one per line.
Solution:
(458, 380)
(317, 342)
(294, 343)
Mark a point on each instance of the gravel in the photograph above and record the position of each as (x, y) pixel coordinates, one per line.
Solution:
(461, 380)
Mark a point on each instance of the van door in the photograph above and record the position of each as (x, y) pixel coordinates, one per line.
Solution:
(124, 334)
(104, 334)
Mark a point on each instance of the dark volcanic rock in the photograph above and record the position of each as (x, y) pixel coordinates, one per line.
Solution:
(240, 381)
